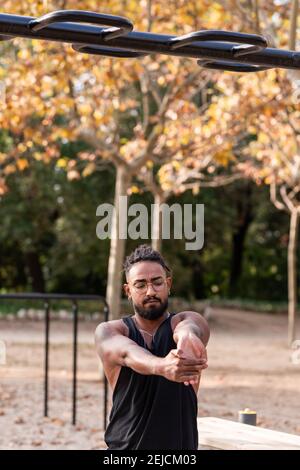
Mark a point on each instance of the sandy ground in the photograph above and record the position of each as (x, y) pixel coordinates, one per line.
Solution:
(249, 366)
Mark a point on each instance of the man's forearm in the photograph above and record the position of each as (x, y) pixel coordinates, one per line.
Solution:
(141, 360)
(117, 349)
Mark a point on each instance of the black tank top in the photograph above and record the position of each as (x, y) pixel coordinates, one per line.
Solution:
(150, 412)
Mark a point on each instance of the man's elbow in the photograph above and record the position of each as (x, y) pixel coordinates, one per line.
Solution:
(204, 328)
(98, 333)
(199, 324)
(101, 334)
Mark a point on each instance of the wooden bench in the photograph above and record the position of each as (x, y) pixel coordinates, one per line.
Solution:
(222, 434)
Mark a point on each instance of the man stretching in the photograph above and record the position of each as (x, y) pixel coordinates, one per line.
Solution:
(153, 362)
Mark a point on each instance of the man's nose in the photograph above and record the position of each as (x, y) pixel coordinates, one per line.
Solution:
(150, 288)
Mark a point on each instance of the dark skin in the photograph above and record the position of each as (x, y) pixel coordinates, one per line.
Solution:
(148, 287)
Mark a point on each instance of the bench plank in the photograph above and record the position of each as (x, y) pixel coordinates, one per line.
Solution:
(223, 434)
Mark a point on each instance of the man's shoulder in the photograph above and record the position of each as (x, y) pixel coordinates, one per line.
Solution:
(111, 327)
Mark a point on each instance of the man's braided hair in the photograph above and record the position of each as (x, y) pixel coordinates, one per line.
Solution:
(144, 253)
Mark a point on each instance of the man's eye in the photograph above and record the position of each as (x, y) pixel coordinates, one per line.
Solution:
(158, 282)
(140, 285)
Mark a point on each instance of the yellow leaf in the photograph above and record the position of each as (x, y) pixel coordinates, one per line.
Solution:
(85, 109)
(223, 157)
(134, 190)
(62, 162)
(89, 169)
(9, 169)
(184, 140)
(21, 147)
(38, 156)
(3, 187)
(268, 180)
(161, 81)
(263, 138)
(23, 54)
(98, 115)
(22, 163)
(2, 157)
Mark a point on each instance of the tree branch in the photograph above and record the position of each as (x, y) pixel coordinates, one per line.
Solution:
(285, 198)
(293, 25)
(294, 192)
(213, 183)
(95, 142)
(279, 205)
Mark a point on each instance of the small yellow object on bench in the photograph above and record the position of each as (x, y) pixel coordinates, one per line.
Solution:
(216, 433)
(247, 416)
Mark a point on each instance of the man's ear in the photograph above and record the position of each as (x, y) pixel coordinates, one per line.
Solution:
(169, 282)
(127, 290)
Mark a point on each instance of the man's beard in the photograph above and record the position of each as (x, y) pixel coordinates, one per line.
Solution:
(153, 312)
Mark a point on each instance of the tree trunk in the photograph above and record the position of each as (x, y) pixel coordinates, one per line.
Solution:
(35, 271)
(198, 279)
(238, 244)
(293, 74)
(117, 245)
(156, 233)
(245, 217)
(293, 24)
(292, 275)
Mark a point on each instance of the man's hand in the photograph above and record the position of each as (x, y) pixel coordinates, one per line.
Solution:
(179, 369)
(190, 346)
(191, 334)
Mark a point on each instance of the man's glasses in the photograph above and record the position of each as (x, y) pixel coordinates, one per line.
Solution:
(142, 286)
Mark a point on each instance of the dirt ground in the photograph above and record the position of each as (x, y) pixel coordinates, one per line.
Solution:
(249, 366)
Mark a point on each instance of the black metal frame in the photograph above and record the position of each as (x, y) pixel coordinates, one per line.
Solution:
(74, 299)
(225, 50)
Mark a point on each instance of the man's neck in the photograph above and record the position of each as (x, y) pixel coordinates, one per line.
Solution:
(150, 325)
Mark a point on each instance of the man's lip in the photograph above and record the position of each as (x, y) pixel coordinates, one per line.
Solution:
(151, 301)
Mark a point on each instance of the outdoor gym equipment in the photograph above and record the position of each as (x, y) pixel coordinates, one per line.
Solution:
(224, 50)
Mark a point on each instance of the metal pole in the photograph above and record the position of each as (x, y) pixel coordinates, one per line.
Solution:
(46, 373)
(91, 35)
(106, 316)
(75, 331)
(74, 298)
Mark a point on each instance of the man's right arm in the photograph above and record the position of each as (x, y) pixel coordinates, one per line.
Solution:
(115, 348)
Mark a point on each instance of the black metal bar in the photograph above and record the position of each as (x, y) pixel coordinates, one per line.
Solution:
(120, 24)
(249, 43)
(106, 317)
(5, 38)
(74, 298)
(46, 372)
(222, 65)
(40, 296)
(17, 26)
(107, 51)
(75, 331)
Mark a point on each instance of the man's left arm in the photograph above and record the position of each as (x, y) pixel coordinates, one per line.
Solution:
(191, 334)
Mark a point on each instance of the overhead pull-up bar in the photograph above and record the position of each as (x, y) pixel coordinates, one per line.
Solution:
(224, 50)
